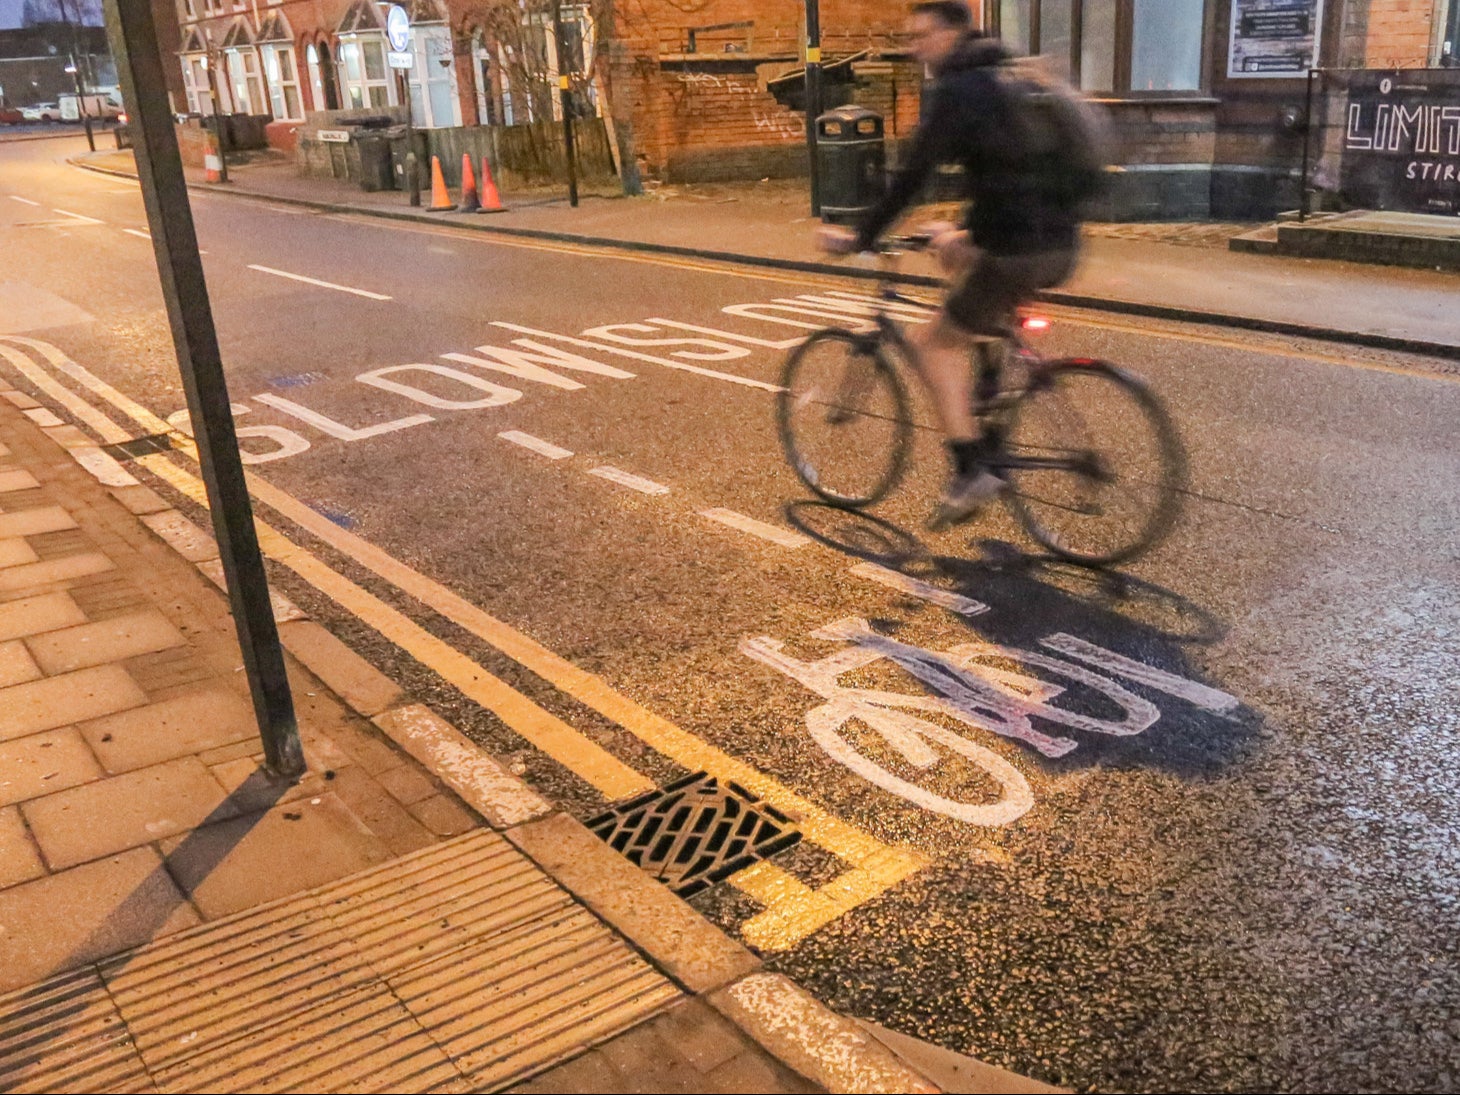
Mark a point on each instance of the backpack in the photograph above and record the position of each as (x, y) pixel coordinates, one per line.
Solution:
(1062, 138)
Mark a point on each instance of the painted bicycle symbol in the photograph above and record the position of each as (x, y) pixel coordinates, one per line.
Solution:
(972, 684)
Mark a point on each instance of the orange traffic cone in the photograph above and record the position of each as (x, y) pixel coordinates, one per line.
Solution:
(469, 201)
(491, 200)
(440, 199)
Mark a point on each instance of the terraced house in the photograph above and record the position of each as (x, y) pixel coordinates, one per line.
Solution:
(1209, 97)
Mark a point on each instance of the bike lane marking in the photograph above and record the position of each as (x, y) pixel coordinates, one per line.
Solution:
(535, 444)
(944, 598)
(773, 533)
(628, 479)
(792, 909)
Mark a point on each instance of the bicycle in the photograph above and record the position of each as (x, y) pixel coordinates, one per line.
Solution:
(845, 422)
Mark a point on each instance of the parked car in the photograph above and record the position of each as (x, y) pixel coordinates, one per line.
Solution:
(10, 115)
(42, 112)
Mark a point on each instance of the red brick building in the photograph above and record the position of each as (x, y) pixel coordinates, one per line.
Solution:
(1205, 94)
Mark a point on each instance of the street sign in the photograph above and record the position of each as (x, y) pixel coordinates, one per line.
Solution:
(399, 59)
(334, 136)
(398, 30)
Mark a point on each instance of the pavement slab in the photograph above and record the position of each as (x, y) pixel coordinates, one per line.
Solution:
(208, 719)
(75, 917)
(42, 764)
(69, 698)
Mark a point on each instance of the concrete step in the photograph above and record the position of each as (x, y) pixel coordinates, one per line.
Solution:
(1260, 241)
(1391, 239)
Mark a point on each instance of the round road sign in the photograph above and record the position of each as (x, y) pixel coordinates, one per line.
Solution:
(398, 28)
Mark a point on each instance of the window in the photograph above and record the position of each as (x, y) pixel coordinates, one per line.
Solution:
(1115, 46)
(195, 82)
(1166, 45)
(242, 66)
(366, 80)
(436, 105)
(316, 76)
(283, 80)
(1447, 35)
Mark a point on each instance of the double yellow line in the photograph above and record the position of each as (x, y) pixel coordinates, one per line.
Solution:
(792, 910)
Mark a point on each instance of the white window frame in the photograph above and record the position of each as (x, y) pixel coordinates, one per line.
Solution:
(277, 86)
(243, 67)
(359, 41)
(196, 84)
(427, 42)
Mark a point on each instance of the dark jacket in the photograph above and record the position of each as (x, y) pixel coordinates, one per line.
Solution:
(1013, 210)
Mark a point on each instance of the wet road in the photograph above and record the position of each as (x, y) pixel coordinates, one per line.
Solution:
(1237, 872)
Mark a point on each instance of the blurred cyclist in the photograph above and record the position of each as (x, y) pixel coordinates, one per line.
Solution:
(1020, 234)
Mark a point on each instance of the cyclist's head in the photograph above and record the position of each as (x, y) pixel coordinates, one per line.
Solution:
(936, 27)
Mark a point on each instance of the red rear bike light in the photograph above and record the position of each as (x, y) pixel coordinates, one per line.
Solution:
(1035, 323)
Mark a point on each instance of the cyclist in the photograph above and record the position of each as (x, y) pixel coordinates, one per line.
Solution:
(1020, 234)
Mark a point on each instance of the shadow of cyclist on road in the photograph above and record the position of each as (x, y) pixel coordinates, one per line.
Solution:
(1120, 627)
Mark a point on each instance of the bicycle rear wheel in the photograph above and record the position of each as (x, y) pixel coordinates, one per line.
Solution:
(1095, 465)
(843, 418)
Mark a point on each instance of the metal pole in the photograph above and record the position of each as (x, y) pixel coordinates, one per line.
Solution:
(217, 116)
(76, 72)
(413, 166)
(813, 96)
(565, 103)
(133, 35)
(1307, 141)
(81, 103)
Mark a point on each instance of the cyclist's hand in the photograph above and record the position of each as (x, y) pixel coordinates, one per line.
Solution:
(836, 240)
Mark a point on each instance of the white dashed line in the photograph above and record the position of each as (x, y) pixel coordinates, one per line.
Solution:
(775, 535)
(956, 602)
(316, 281)
(23, 201)
(77, 216)
(536, 444)
(625, 479)
(141, 235)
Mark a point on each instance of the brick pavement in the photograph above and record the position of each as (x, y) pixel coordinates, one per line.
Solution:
(159, 889)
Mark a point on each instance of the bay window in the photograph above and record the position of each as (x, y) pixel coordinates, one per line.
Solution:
(364, 77)
(1111, 46)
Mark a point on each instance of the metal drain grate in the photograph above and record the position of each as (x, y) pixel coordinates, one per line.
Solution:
(139, 446)
(696, 832)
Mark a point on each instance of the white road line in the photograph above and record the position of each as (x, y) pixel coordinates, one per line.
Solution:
(141, 235)
(536, 444)
(784, 537)
(748, 382)
(625, 479)
(316, 281)
(76, 216)
(955, 602)
(23, 201)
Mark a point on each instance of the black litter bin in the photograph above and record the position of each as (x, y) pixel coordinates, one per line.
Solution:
(851, 154)
(375, 167)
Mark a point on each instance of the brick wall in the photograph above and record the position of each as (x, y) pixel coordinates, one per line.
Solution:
(709, 114)
(1399, 33)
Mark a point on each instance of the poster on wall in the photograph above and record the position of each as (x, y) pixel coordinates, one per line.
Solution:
(1274, 38)
(1401, 141)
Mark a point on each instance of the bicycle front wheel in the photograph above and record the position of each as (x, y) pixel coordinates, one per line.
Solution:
(843, 417)
(1095, 465)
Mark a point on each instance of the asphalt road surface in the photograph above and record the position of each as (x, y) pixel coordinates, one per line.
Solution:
(1235, 872)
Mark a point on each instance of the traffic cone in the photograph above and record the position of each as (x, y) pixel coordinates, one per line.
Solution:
(469, 201)
(212, 161)
(491, 200)
(440, 198)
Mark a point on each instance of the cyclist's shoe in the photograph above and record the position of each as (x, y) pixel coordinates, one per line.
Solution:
(964, 497)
